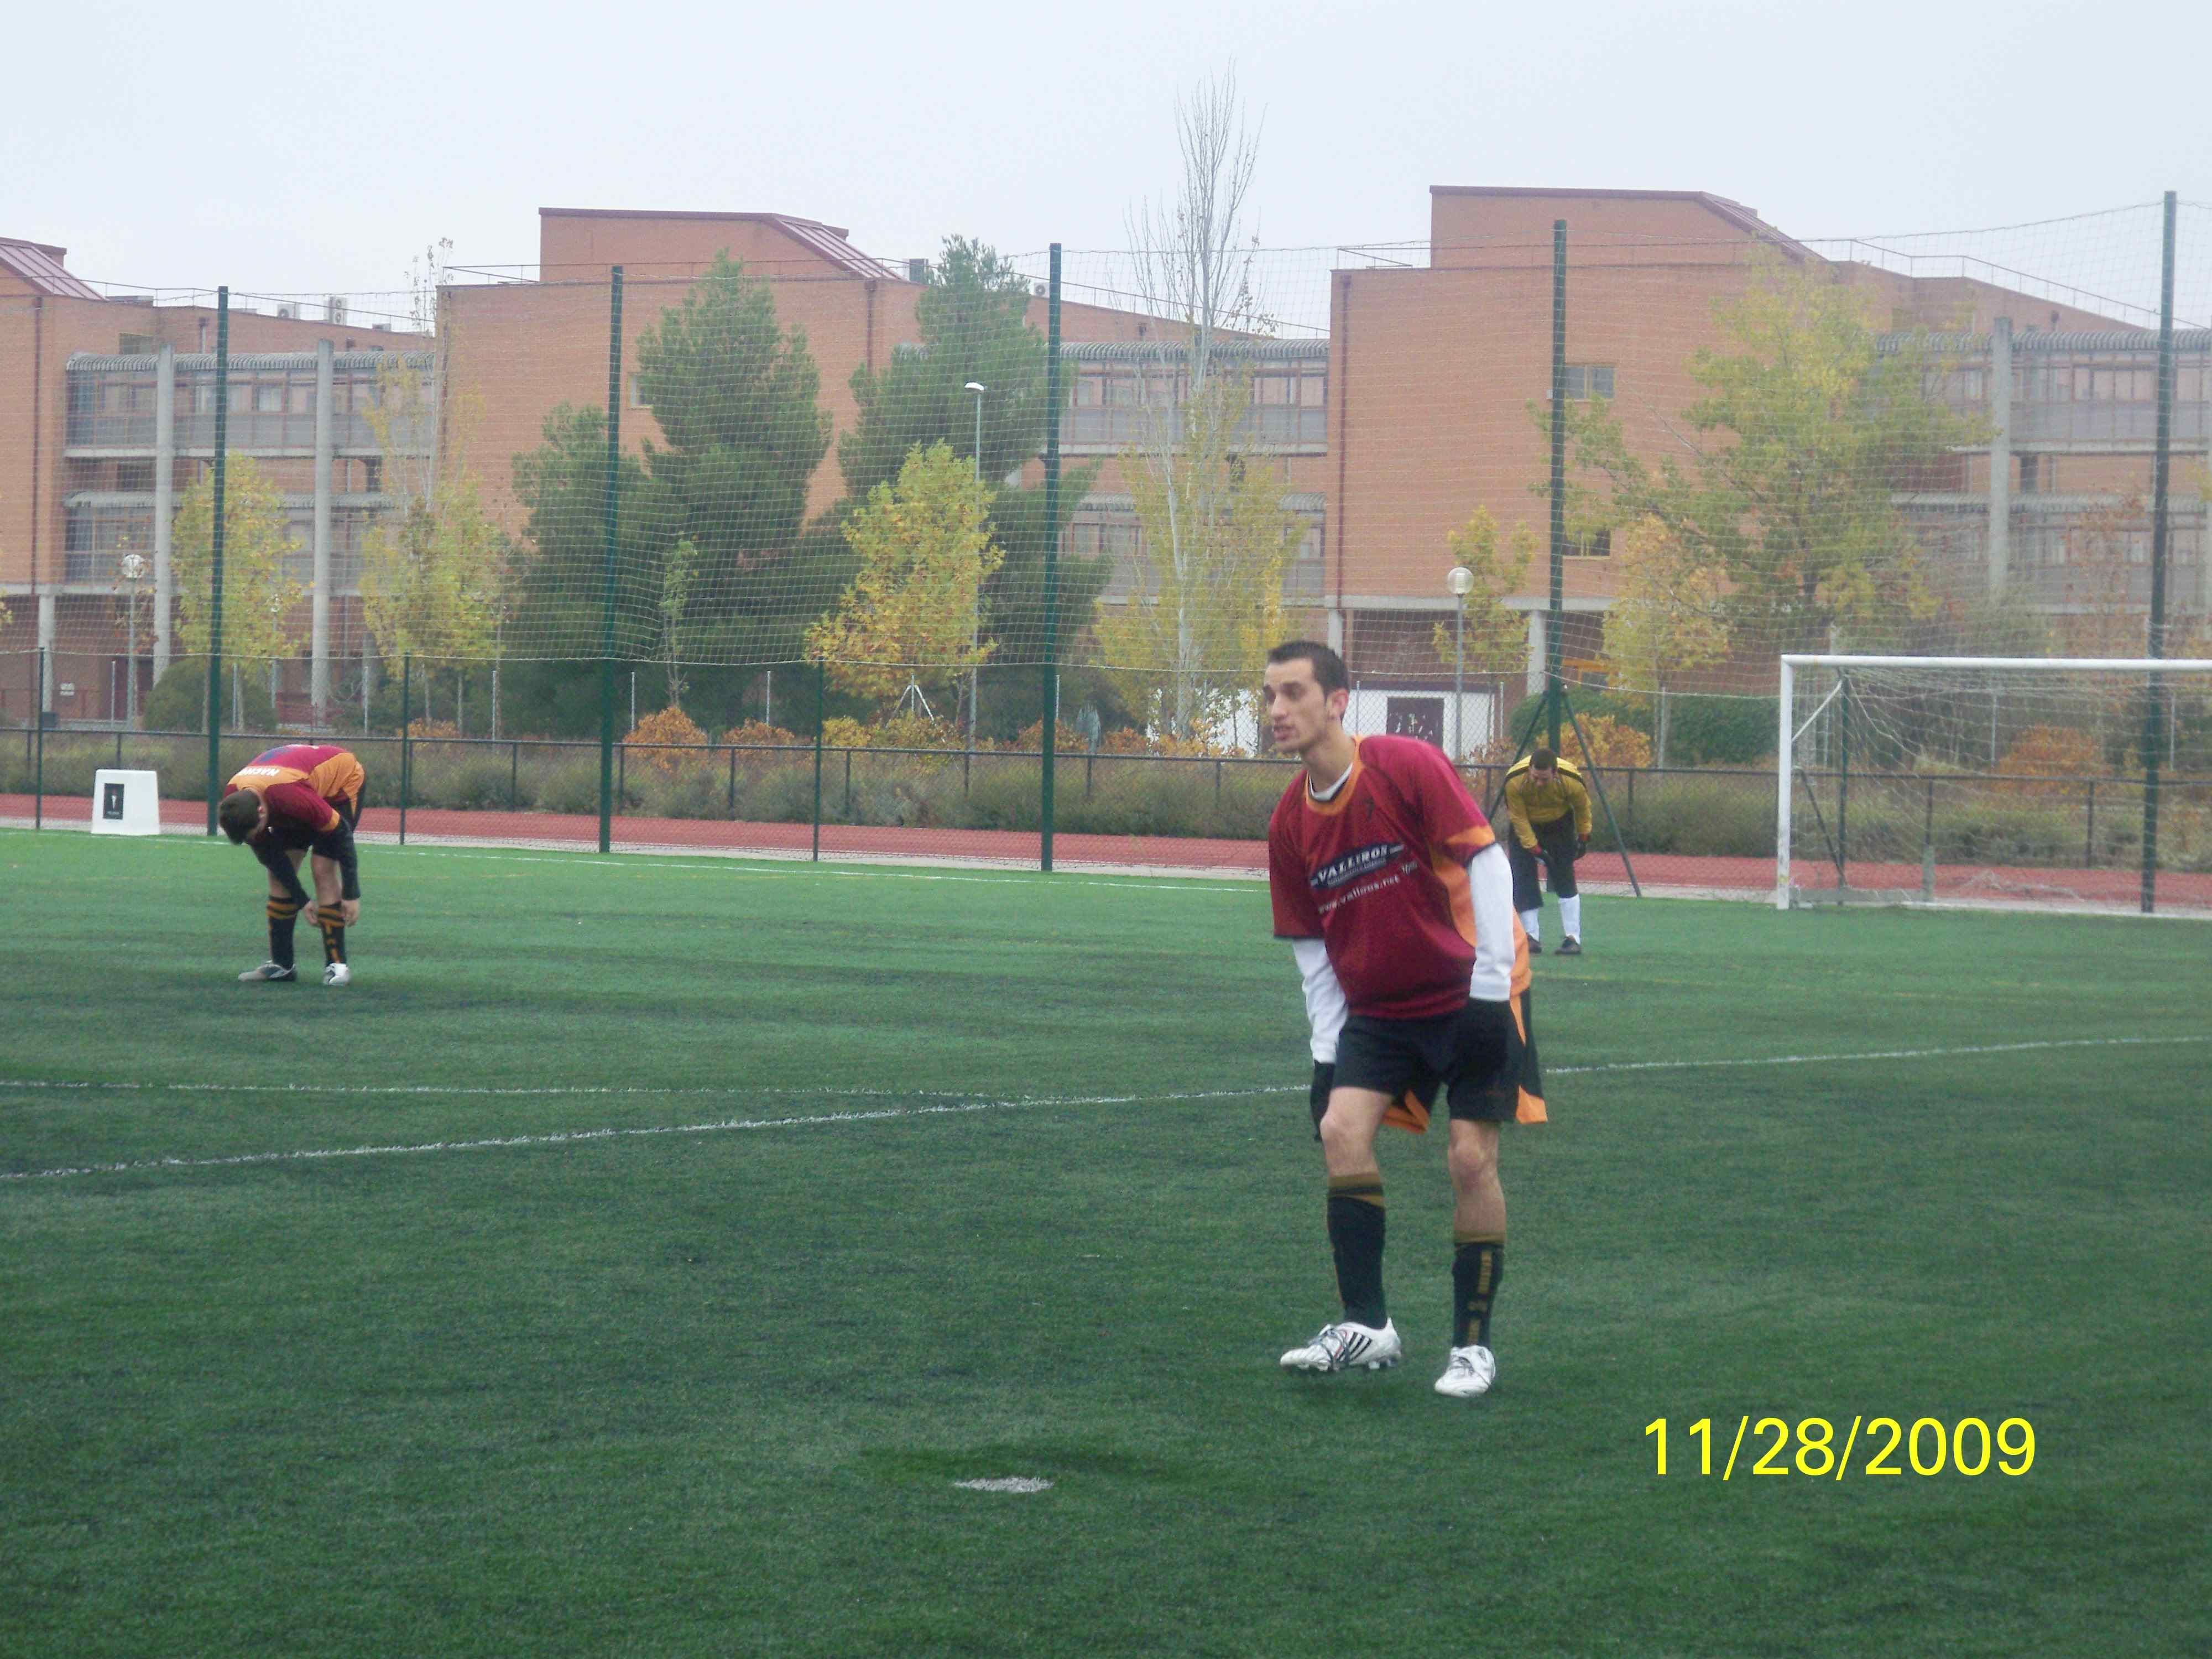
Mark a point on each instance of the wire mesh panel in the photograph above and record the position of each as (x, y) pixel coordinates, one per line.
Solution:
(754, 534)
(2081, 782)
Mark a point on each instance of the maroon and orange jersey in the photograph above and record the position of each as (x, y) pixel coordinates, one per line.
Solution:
(298, 781)
(1378, 874)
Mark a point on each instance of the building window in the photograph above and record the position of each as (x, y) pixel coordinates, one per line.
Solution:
(1598, 545)
(134, 478)
(137, 345)
(269, 397)
(1589, 380)
(637, 398)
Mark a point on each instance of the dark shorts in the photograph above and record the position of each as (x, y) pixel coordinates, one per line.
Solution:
(1481, 1054)
(287, 837)
(1556, 842)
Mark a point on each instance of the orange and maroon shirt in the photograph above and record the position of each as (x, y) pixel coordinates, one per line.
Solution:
(1378, 873)
(299, 782)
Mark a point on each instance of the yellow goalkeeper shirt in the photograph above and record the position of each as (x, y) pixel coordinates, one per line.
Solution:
(1533, 806)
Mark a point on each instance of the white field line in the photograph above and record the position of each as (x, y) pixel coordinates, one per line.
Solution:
(947, 1105)
(644, 860)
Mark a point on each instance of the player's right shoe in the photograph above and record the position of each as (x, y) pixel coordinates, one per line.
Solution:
(1570, 946)
(267, 970)
(1344, 1347)
(1470, 1371)
(1535, 945)
(336, 973)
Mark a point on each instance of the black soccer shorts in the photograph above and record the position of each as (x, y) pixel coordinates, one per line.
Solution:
(1480, 1053)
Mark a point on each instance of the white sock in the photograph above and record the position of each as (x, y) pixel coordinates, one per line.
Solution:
(1571, 916)
(1530, 922)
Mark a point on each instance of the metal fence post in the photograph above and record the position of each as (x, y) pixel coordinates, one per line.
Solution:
(821, 697)
(38, 776)
(406, 737)
(214, 547)
(1051, 719)
(610, 521)
(2089, 835)
(2161, 461)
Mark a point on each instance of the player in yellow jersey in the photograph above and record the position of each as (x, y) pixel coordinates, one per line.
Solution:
(1550, 808)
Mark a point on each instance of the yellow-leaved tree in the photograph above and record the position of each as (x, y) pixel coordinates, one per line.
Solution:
(912, 613)
(259, 593)
(1215, 538)
(1496, 636)
(1669, 613)
(432, 572)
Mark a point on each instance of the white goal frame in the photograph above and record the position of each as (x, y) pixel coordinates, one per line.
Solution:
(1785, 774)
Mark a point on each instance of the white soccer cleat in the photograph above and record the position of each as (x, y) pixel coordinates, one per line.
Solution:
(338, 973)
(1470, 1373)
(267, 970)
(1344, 1347)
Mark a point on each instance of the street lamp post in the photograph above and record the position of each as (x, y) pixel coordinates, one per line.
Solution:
(1461, 582)
(132, 567)
(976, 388)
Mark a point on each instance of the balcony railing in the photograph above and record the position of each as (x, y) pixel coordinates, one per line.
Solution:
(1124, 426)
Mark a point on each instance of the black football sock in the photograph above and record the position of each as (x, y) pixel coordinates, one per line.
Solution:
(1478, 1263)
(1355, 1235)
(333, 940)
(284, 914)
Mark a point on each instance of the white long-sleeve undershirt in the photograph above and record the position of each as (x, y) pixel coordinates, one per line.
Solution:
(1490, 883)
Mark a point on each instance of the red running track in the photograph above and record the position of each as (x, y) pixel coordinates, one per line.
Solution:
(1602, 871)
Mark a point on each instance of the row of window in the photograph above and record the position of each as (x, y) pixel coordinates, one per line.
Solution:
(263, 394)
(2058, 378)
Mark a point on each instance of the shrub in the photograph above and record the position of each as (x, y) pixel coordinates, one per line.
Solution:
(758, 734)
(2056, 752)
(692, 792)
(1705, 730)
(1611, 742)
(178, 701)
(573, 785)
(463, 778)
(666, 743)
(782, 793)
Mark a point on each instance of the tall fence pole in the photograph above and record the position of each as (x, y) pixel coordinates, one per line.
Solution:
(406, 740)
(610, 525)
(2161, 466)
(39, 720)
(215, 583)
(821, 701)
(1051, 723)
(1555, 619)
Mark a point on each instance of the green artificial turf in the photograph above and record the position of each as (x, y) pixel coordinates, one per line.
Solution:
(1029, 1190)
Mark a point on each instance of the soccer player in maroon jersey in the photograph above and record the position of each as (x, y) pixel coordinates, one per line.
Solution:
(1398, 902)
(292, 800)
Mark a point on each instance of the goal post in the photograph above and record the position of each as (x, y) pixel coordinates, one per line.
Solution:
(2060, 782)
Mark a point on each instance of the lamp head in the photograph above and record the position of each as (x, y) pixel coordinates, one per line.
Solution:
(1461, 581)
(976, 387)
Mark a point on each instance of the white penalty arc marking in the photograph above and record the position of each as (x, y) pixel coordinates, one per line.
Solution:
(942, 1106)
(1015, 1483)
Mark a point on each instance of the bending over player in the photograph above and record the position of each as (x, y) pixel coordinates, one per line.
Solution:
(293, 801)
(1398, 902)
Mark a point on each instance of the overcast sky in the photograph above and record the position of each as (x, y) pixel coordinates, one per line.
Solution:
(182, 149)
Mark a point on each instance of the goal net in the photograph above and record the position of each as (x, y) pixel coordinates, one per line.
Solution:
(2068, 783)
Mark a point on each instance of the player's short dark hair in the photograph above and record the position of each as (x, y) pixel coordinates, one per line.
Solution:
(237, 813)
(1328, 671)
(1543, 760)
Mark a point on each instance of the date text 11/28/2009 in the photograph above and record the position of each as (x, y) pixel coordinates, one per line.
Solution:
(1928, 1447)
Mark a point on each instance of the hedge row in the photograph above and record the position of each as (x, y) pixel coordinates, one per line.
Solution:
(1713, 813)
